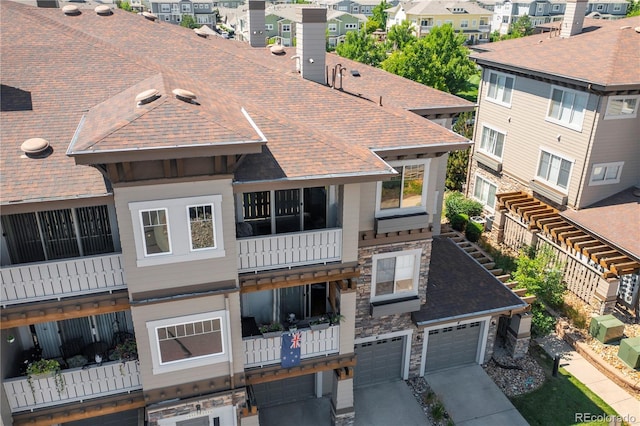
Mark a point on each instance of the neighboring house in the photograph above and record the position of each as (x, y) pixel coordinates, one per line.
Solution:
(556, 156)
(364, 7)
(153, 220)
(505, 12)
(466, 17)
(173, 11)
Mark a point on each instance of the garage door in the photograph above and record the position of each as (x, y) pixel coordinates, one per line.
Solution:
(285, 391)
(451, 346)
(124, 418)
(379, 361)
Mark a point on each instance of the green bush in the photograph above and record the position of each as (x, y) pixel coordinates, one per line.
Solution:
(459, 221)
(457, 203)
(542, 323)
(473, 231)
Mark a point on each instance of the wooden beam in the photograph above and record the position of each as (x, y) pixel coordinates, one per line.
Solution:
(543, 208)
(581, 245)
(517, 205)
(520, 292)
(544, 214)
(563, 236)
(555, 219)
(588, 251)
(570, 241)
(528, 299)
(504, 200)
(268, 284)
(510, 204)
(521, 210)
(270, 374)
(557, 231)
(599, 255)
(624, 268)
(607, 262)
(549, 227)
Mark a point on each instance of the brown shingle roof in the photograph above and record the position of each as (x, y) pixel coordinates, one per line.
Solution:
(94, 65)
(606, 54)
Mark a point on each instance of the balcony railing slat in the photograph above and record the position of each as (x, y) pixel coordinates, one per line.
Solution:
(63, 278)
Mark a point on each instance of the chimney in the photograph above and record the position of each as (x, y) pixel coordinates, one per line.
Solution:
(573, 18)
(257, 33)
(311, 45)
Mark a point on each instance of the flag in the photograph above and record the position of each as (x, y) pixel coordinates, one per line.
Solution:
(290, 352)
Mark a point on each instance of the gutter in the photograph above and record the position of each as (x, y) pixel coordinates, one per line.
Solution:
(470, 315)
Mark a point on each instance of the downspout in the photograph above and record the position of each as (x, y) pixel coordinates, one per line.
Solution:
(231, 374)
(587, 154)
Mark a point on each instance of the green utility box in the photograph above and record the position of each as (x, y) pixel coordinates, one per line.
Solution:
(629, 352)
(606, 328)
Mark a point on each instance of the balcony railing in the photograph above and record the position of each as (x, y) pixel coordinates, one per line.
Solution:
(261, 351)
(287, 250)
(54, 280)
(79, 384)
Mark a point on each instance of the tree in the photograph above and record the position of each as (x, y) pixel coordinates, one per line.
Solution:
(458, 161)
(379, 15)
(188, 22)
(521, 27)
(362, 47)
(633, 9)
(439, 60)
(400, 35)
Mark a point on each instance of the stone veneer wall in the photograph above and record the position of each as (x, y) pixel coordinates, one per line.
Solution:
(491, 338)
(189, 407)
(365, 324)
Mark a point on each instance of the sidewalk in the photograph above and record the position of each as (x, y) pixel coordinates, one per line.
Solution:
(619, 399)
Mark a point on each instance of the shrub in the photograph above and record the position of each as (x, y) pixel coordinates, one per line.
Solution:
(459, 221)
(457, 203)
(473, 231)
(542, 323)
(438, 411)
(577, 317)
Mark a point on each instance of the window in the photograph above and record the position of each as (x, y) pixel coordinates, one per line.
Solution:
(464, 23)
(177, 230)
(505, 19)
(286, 28)
(175, 7)
(566, 107)
(165, 8)
(600, 7)
(622, 107)
(617, 7)
(606, 173)
(406, 192)
(167, 17)
(268, 27)
(350, 26)
(186, 7)
(540, 8)
(333, 27)
(556, 7)
(492, 141)
(485, 192)
(500, 88)
(343, 8)
(187, 342)
(474, 23)
(395, 275)
(554, 169)
(356, 9)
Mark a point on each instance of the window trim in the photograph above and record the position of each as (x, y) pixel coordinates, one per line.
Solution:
(332, 27)
(618, 164)
(417, 256)
(213, 221)
(547, 182)
(488, 182)
(402, 211)
(506, 103)
(504, 141)
(282, 28)
(159, 368)
(568, 124)
(608, 116)
(166, 216)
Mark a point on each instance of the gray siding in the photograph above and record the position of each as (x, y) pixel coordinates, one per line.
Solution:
(367, 205)
(168, 276)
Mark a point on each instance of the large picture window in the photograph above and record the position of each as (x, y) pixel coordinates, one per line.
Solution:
(492, 141)
(500, 88)
(406, 192)
(395, 275)
(566, 107)
(485, 192)
(554, 169)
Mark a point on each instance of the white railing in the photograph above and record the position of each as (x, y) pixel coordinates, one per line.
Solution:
(484, 27)
(79, 384)
(287, 250)
(261, 351)
(54, 280)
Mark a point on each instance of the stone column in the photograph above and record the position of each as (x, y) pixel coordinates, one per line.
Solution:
(342, 412)
(519, 334)
(605, 296)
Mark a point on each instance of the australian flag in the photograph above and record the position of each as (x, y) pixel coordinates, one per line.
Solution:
(290, 349)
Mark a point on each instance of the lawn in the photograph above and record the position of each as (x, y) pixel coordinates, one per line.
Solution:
(559, 399)
(470, 92)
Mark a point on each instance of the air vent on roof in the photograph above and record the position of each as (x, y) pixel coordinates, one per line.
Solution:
(36, 147)
(200, 32)
(185, 95)
(637, 29)
(150, 16)
(355, 73)
(103, 10)
(71, 9)
(147, 96)
(625, 27)
(277, 49)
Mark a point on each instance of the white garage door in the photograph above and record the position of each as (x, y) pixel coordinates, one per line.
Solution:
(285, 391)
(452, 346)
(379, 361)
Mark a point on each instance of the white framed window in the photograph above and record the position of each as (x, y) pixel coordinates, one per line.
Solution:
(622, 107)
(556, 7)
(554, 169)
(474, 24)
(286, 28)
(566, 107)
(600, 7)
(500, 88)
(166, 8)
(268, 27)
(189, 341)
(356, 9)
(540, 8)
(464, 23)
(332, 27)
(177, 230)
(186, 7)
(606, 173)
(350, 26)
(395, 275)
(617, 7)
(448, 21)
(485, 192)
(343, 8)
(492, 141)
(405, 193)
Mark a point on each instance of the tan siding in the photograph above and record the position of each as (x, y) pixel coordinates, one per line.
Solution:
(367, 205)
(148, 278)
(436, 178)
(347, 326)
(143, 314)
(350, 202)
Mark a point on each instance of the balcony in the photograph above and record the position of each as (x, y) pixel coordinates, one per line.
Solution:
(261, 351)
(79, 384)
(484, 28)
(54, 280)
(289, 250)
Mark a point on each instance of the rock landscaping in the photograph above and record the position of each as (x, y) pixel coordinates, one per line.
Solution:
(430, 403)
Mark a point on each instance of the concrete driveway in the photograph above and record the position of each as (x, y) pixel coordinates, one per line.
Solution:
(472, 399)
(378, 405)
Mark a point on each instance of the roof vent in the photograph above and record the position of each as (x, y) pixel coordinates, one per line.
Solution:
(71, 9)
(147, 96)
(625, 27)
(277, 49)
(102, 10)
(637, 29)
(200, 32)
(36, 147)
(355, 73)
(150, 16)
(185, 95)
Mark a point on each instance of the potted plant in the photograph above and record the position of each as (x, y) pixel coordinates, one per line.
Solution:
(336, 318)
(320, 323)
(271, 330)
(43, 369)
(125, 351)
